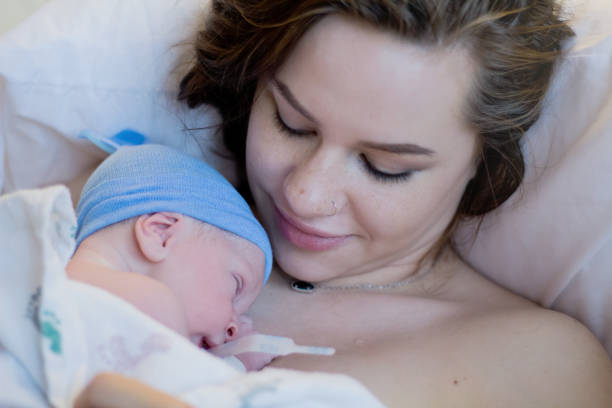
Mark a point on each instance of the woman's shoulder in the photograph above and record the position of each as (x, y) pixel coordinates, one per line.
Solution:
(529, 354)
(536, 349)
(515, 357)
(502, 347)
(506, 357)
(526, 329)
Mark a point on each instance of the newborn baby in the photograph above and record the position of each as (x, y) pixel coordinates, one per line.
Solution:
(168, 234)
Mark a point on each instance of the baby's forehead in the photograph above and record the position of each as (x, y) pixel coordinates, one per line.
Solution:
(240, 246)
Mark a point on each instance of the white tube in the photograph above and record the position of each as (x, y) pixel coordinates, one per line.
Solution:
(263, 343)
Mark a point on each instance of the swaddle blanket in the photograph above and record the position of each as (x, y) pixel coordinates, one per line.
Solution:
(56, 334)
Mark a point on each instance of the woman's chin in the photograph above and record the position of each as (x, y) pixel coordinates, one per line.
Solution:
(303, 268)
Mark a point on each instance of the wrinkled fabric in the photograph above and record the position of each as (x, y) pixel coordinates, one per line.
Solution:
(56, 333)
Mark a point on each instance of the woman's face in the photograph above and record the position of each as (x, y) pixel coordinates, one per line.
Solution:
(358, 151)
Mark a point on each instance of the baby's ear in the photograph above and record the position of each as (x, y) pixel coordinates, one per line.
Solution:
(156, 233)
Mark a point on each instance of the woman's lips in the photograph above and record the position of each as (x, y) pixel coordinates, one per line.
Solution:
(305, 237)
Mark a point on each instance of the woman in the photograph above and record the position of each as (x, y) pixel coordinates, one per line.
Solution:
(367, 130)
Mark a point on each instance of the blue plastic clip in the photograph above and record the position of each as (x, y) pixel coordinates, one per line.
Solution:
(126, 137)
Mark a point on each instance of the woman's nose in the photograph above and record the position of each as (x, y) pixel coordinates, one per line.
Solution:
(309, 189)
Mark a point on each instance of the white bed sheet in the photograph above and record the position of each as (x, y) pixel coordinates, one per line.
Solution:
(14, 11)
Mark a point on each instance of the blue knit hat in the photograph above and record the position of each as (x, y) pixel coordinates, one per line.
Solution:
(150, 178)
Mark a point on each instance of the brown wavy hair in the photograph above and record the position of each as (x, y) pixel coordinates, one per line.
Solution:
(514, 42)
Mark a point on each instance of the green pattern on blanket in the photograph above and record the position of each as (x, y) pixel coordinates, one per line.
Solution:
(49, 329)
(50, 332)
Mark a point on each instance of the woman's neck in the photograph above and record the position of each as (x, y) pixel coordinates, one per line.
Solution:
(406, 277)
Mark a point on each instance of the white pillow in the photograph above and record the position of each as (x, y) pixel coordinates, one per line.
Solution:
(107, 65)
(98, 65)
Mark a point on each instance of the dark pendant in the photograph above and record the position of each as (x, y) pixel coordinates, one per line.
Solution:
(302, 286)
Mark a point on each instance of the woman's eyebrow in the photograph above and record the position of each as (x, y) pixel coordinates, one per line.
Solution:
(290, 98)
(401, 148)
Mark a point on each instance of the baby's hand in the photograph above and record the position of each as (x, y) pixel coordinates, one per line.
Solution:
(252, 361)
(255, 361)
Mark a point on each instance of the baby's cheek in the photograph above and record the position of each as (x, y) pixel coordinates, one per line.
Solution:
(246, 326)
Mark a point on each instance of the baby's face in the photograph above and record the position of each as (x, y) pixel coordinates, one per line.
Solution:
(216, 277)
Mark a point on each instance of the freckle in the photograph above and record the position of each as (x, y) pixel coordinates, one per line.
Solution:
(301, 191)
(455, 382)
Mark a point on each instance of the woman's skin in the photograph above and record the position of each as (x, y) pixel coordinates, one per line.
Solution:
(350, 98)
(355, 180)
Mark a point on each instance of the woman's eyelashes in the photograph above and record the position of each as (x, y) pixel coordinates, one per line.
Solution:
(377, 174)
(284, 128)
(383, 176)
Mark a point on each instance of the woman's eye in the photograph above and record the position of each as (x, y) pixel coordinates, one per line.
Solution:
(383, 176)
(370, 168)
(284, 128)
